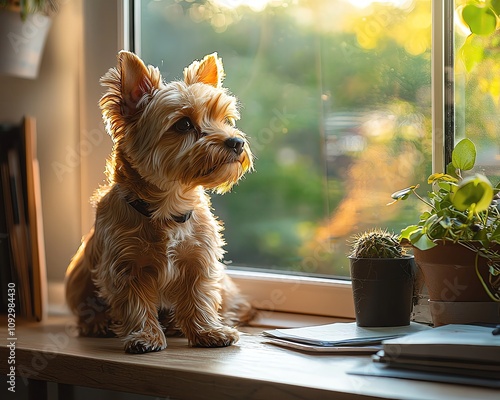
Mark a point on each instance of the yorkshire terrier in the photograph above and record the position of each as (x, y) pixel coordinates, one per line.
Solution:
(152, 261)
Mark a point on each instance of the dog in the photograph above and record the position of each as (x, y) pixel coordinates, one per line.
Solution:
(152, 261)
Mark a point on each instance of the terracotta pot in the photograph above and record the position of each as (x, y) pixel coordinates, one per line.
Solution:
(464, 312)
(450, 275)
(456, 295)
(382, 290)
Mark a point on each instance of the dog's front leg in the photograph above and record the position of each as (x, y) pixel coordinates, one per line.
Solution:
(133, 298)
(197, 304)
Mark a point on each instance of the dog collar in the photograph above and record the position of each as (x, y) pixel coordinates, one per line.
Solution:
(143, 207)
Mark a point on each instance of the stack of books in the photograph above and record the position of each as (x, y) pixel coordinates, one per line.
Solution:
(464, 354)
(22, 255)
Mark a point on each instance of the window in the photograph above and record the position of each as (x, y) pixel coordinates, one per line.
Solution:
(337, 100)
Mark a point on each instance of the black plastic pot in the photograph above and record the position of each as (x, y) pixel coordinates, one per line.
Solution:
(382, 290)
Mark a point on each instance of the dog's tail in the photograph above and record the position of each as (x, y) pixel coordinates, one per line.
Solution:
(81, 293)
(79, 285)
(236, 310)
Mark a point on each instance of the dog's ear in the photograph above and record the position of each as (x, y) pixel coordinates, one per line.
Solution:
(127, 85)
(137, 80)
(209, 71)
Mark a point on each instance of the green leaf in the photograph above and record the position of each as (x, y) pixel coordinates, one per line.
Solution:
(481, 235)
(495, 5)
(464, 155)
(474, 194)
(433, 219)
(446, 223)
(470, 53)
(451, 170)
(440, 177)
(481, 20)
(495, 236)
(424, 243)
(425, 215)
(407, 232)
(403, 193)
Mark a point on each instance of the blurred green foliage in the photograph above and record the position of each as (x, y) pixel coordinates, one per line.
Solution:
(297, 71)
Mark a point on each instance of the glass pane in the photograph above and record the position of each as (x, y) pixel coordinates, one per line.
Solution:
(477, 90)
(336, 100)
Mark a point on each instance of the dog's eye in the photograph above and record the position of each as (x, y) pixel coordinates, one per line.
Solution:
(230, 121)
(184, 125)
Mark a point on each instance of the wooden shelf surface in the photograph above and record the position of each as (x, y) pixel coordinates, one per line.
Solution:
(251, 369)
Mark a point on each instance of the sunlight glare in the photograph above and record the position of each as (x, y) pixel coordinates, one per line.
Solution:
(255, 5)
(367, 3)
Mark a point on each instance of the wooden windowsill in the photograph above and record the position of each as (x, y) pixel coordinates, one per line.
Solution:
(251, 369)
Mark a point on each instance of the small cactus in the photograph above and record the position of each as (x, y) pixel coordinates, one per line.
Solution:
(376, 243)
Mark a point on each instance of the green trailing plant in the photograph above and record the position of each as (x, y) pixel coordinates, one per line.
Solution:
(376, 243)
(461, 209)
(482, 19)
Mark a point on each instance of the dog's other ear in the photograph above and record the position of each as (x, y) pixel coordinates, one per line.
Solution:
(209, 71)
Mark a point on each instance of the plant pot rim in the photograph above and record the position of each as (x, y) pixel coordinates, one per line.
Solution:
(446, 242)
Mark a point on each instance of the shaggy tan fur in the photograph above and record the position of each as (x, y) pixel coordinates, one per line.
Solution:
(136, 273)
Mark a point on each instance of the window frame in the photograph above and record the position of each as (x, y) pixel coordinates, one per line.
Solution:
(273, 292)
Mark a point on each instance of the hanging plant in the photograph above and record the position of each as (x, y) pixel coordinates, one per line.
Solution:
(482, 18)
(26, 7)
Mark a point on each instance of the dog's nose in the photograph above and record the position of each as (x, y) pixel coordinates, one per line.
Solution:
(236, 144)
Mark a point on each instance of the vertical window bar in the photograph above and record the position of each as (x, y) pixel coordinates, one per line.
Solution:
(437, 83)
(135, 20)
(449, 80)
(125, 25)
(131, 32)
(443, 86)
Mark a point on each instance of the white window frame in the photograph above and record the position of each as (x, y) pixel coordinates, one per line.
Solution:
(311, 295)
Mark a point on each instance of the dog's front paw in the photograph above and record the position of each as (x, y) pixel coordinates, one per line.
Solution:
(218, 337)
(145, 342)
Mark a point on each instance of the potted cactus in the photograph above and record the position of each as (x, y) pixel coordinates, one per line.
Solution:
(382, 277)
